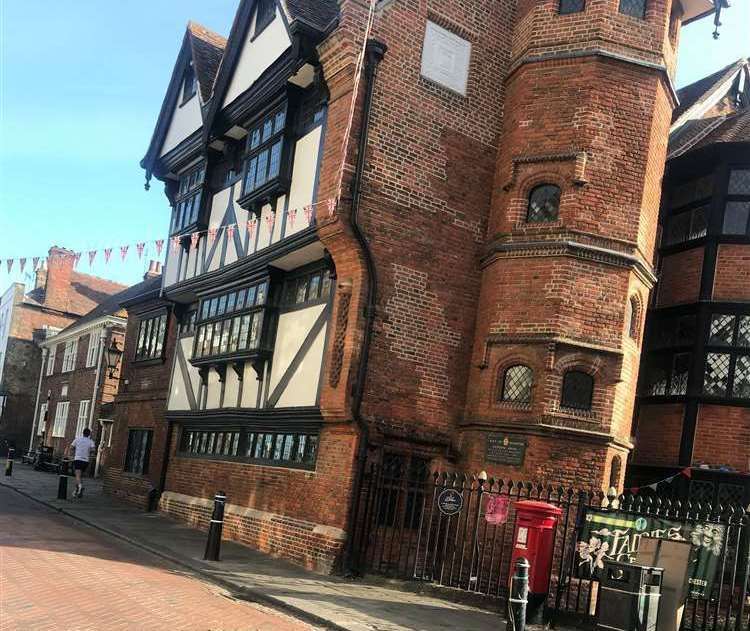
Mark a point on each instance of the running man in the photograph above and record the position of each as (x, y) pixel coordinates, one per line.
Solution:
(82, 446)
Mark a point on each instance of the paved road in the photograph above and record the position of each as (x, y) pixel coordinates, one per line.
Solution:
(57, 574)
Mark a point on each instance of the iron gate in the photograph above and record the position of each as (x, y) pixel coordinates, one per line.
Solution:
(401, 533)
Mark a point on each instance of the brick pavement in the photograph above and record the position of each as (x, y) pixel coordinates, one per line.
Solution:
(56, 574)
(330, 602)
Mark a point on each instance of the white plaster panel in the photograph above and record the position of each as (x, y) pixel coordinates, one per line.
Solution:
(214, 390)
(257, 55)
(170, 265)
(304, 171)
(266, 223)
(185, 120)
(178, 398)
(231, 388)
(292, 329)
(250, 385)
(303, 386)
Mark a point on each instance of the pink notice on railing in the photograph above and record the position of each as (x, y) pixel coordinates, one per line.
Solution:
(497, 509)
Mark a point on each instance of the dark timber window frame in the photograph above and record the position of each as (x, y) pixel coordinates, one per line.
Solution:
(734, 352)
(187, 214)
(189, 83)
(138, 451)
(277, 447)
(242, 312)
(152, 331)
(307, 286)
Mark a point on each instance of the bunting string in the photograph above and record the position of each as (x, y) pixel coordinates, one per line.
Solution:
(686, 473)
(291, 216)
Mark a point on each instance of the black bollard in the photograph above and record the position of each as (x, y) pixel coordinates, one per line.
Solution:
(9, 462)
(62, 488)
(519, 591)
(213, 544)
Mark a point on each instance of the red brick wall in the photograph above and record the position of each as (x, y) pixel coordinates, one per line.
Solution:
(729, 282)
(657, 440)
(722, 437)
(680, 278)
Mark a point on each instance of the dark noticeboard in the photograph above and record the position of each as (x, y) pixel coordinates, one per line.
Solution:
(506, 449)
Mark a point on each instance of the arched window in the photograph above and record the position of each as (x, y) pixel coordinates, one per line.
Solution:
(577, 390)
(517, 382)
(633, 317)
(544, 204)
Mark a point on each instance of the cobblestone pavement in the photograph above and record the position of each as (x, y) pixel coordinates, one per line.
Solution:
(58, 574)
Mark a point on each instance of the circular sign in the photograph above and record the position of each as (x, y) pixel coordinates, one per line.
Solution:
(450, 502)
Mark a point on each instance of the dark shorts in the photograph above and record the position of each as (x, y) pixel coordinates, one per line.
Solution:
(80, 465)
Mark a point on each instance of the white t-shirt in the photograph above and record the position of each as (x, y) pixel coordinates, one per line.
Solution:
(83, 446)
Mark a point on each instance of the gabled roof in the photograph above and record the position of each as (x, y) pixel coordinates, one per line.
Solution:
(113, 305)
(86, 293)
(206, 49)
(709, 107)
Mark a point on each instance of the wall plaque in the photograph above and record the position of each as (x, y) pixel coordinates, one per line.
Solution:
(506, 449)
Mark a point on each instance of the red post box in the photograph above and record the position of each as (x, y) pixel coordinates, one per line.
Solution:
(534, 540)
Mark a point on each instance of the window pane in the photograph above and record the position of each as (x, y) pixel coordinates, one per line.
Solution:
(743, 332)
(260, 175)
(716, 374)
(311, 447)
(235, 337)
(571, 6)
(301, 290)
(213, 307)
(678, 228)
(254, 338)
(275, 160)
(267, 128)
(222, 305)
(267, 447)
(544, 203)
(250, 175)
(722, 329)
(244, 329)
(217, 338)
(231, 299)
(250, 297)
(278, 446)
(741, 386)
(208, 341)
(577, 390)
(249, 445)
(259, 442)
(699, 225)
(517, 384)
(254, 138)
(633, 8)
(313, 291)
(279, 120)
(657, 376)
(735, 217)
(260, 296)
(225, 337)
(739, 182)
(289, 292)
(219, 443)
(199, 341)
(680, 369)
(325, 289)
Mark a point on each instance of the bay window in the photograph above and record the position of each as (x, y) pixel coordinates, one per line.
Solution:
(151, 331)
(187, 205)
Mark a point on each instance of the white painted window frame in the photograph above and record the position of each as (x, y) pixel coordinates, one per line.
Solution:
(70, 355)
(61, 419)
(40, 423)
(51, 361)
(93, 349)
(83, 416)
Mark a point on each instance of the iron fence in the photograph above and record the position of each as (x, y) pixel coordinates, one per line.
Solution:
(401, 532)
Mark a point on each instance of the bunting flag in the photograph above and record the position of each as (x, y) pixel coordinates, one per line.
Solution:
(686, 473)
(159, 244)
(76, 258)
(22, 263)
(35, 261)
(175, 243)
(211, 235)
(92, 256)
(9, 263)
(194, 240)
(230, 231)
(308, 214)
(107, 254)
(123, 252)
(291, 216)
(139, 248)
(251, 226)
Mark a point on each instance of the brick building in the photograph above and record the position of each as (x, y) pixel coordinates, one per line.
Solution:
(76, 387)
(432, 250)
(60, 296)
(693, 404)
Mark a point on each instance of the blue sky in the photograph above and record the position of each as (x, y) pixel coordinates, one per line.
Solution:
(81, 83)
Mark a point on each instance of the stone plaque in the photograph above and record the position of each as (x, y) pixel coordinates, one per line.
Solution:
(506, 449)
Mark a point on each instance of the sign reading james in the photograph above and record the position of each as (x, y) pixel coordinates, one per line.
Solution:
(616, 535)
(506, 449)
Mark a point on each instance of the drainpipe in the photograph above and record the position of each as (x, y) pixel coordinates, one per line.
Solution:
(102, 339)
(36, 404)
(374, 53)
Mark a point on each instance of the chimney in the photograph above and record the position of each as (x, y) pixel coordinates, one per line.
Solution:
(154, 270)
(41, 275)
(59, 274)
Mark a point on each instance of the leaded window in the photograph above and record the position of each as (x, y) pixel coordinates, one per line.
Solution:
(187, 205)
(517, 382)
(264, 152)
(289, 449)
(138, 451)
(633, 8)
(739, 182)
(737, 218)
(694, 190)
(544, 204)
(687, 225)
(577, 390)
(230, 324)
(666, 374)
(727, 367)
(151, 332)
(572, 6)
(304, 289)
